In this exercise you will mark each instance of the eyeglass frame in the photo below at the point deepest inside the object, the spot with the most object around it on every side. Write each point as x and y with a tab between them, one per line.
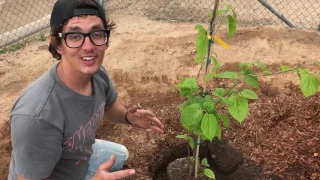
64	36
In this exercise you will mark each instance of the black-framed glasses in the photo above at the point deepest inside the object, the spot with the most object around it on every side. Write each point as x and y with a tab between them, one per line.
76	39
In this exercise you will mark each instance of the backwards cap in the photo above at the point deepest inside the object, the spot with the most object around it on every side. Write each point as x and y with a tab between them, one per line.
64	10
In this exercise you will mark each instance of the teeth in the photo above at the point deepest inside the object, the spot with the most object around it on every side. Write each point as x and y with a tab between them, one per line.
87	58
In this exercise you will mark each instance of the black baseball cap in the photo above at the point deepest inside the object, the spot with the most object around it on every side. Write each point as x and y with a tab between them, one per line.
64	10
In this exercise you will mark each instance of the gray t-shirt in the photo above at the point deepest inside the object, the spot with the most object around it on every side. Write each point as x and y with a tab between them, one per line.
53	127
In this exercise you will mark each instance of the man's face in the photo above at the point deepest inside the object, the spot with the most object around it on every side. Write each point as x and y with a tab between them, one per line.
86	59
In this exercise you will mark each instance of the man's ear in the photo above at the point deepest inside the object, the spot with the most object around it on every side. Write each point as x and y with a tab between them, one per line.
59	49
53	40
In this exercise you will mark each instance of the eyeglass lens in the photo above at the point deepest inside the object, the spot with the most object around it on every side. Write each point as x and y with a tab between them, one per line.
77	39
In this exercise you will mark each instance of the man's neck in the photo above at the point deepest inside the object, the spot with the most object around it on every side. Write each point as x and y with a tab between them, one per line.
73	79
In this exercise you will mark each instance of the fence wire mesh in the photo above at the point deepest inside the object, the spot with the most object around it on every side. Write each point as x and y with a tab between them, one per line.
22	18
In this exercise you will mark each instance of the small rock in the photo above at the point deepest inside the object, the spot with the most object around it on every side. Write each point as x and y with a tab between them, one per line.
129	128
153	141
172	52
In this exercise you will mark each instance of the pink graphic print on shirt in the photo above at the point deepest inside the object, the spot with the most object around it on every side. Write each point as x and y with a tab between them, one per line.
84	133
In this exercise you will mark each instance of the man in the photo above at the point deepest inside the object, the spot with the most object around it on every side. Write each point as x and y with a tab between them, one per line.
54	121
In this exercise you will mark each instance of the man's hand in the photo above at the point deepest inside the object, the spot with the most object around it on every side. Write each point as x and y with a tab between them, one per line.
104	174
144	119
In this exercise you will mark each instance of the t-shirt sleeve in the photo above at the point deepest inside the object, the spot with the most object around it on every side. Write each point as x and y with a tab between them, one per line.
110	92
36	146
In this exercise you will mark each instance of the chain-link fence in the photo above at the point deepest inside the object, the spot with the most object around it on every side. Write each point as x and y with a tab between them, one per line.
305	14
21	18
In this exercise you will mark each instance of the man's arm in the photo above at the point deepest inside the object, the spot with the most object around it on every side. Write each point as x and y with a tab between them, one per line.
34	140
145	119
116	113
21	178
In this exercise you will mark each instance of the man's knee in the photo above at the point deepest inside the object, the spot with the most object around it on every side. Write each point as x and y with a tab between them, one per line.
125	152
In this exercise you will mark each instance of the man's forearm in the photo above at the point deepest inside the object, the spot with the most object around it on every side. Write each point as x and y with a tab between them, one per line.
116	113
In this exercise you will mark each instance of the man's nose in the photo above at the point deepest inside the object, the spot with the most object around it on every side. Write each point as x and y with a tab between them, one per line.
87	44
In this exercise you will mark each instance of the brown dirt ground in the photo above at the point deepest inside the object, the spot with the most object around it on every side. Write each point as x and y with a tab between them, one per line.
146	58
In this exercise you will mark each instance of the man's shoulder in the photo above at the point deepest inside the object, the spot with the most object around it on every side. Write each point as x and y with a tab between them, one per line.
102	75
34	96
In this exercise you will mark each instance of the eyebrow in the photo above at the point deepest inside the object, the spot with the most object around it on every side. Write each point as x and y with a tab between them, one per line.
77	28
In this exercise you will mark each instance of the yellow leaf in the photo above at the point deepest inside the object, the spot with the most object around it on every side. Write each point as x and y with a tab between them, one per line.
221	42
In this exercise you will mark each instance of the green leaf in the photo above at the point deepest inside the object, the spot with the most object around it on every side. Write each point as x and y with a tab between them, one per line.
250	78
184	136
191	116
249	94
232	25
245	65
231	75
191	143
208	98
252	81
209	173
208	126
218	132
226	120
185	92
196	100
224	100
197	131
216	67
188	138
198	59
267	72
219	92
238	107
210	76
220	11
234	14
184	105
262	66
309	84
213	71
204	162
189	83
209	107
285	68
201	41
214	60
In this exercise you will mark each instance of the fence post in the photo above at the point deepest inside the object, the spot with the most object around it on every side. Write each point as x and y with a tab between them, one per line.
279	15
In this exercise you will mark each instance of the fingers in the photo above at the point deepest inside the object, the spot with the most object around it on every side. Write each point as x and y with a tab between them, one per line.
156	129
122	174
147	113
104	168
107	165
133	109
156	122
